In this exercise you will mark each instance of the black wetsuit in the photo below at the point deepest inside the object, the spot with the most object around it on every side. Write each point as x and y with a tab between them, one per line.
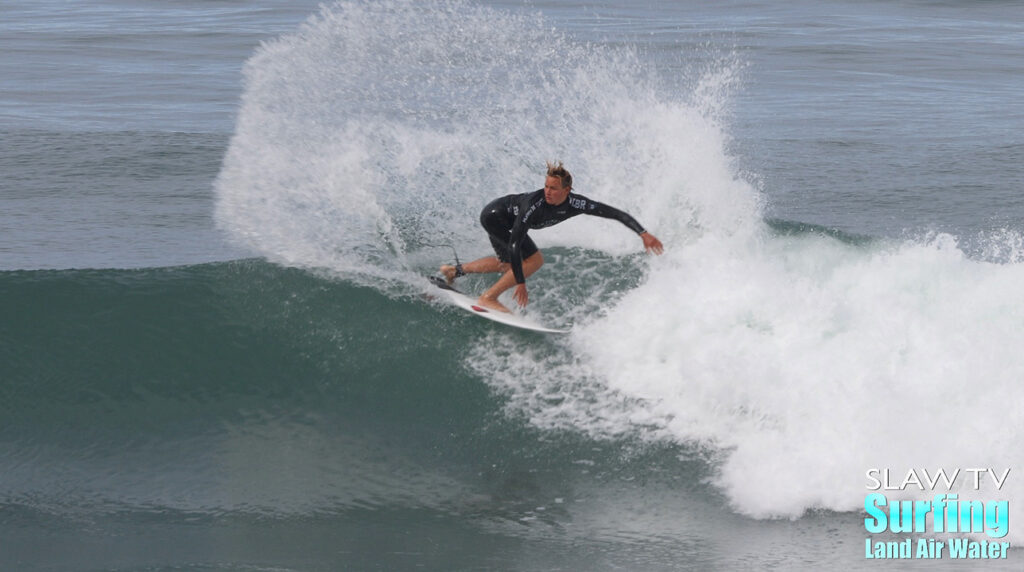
507	219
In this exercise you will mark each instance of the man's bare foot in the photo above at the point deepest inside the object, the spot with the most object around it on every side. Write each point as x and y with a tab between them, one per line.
449	273
492	304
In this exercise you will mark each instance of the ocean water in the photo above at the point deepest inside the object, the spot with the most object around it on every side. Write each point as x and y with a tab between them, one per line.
217	351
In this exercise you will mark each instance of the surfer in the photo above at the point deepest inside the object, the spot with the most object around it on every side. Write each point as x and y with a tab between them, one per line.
507	220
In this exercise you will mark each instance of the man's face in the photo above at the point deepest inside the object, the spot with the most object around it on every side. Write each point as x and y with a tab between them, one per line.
554	192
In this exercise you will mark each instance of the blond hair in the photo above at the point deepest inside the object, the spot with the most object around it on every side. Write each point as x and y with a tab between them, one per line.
558	171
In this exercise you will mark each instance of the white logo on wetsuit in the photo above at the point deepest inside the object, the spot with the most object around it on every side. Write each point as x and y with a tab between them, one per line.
577	203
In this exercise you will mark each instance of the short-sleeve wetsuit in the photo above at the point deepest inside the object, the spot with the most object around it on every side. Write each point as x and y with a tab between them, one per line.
508	218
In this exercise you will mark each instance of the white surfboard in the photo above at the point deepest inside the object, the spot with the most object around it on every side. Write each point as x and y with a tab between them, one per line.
469	304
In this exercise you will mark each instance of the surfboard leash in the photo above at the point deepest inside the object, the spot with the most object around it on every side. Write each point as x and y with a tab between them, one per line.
459	272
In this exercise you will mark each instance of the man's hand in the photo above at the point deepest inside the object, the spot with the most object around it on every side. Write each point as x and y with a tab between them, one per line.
651	243
520	295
